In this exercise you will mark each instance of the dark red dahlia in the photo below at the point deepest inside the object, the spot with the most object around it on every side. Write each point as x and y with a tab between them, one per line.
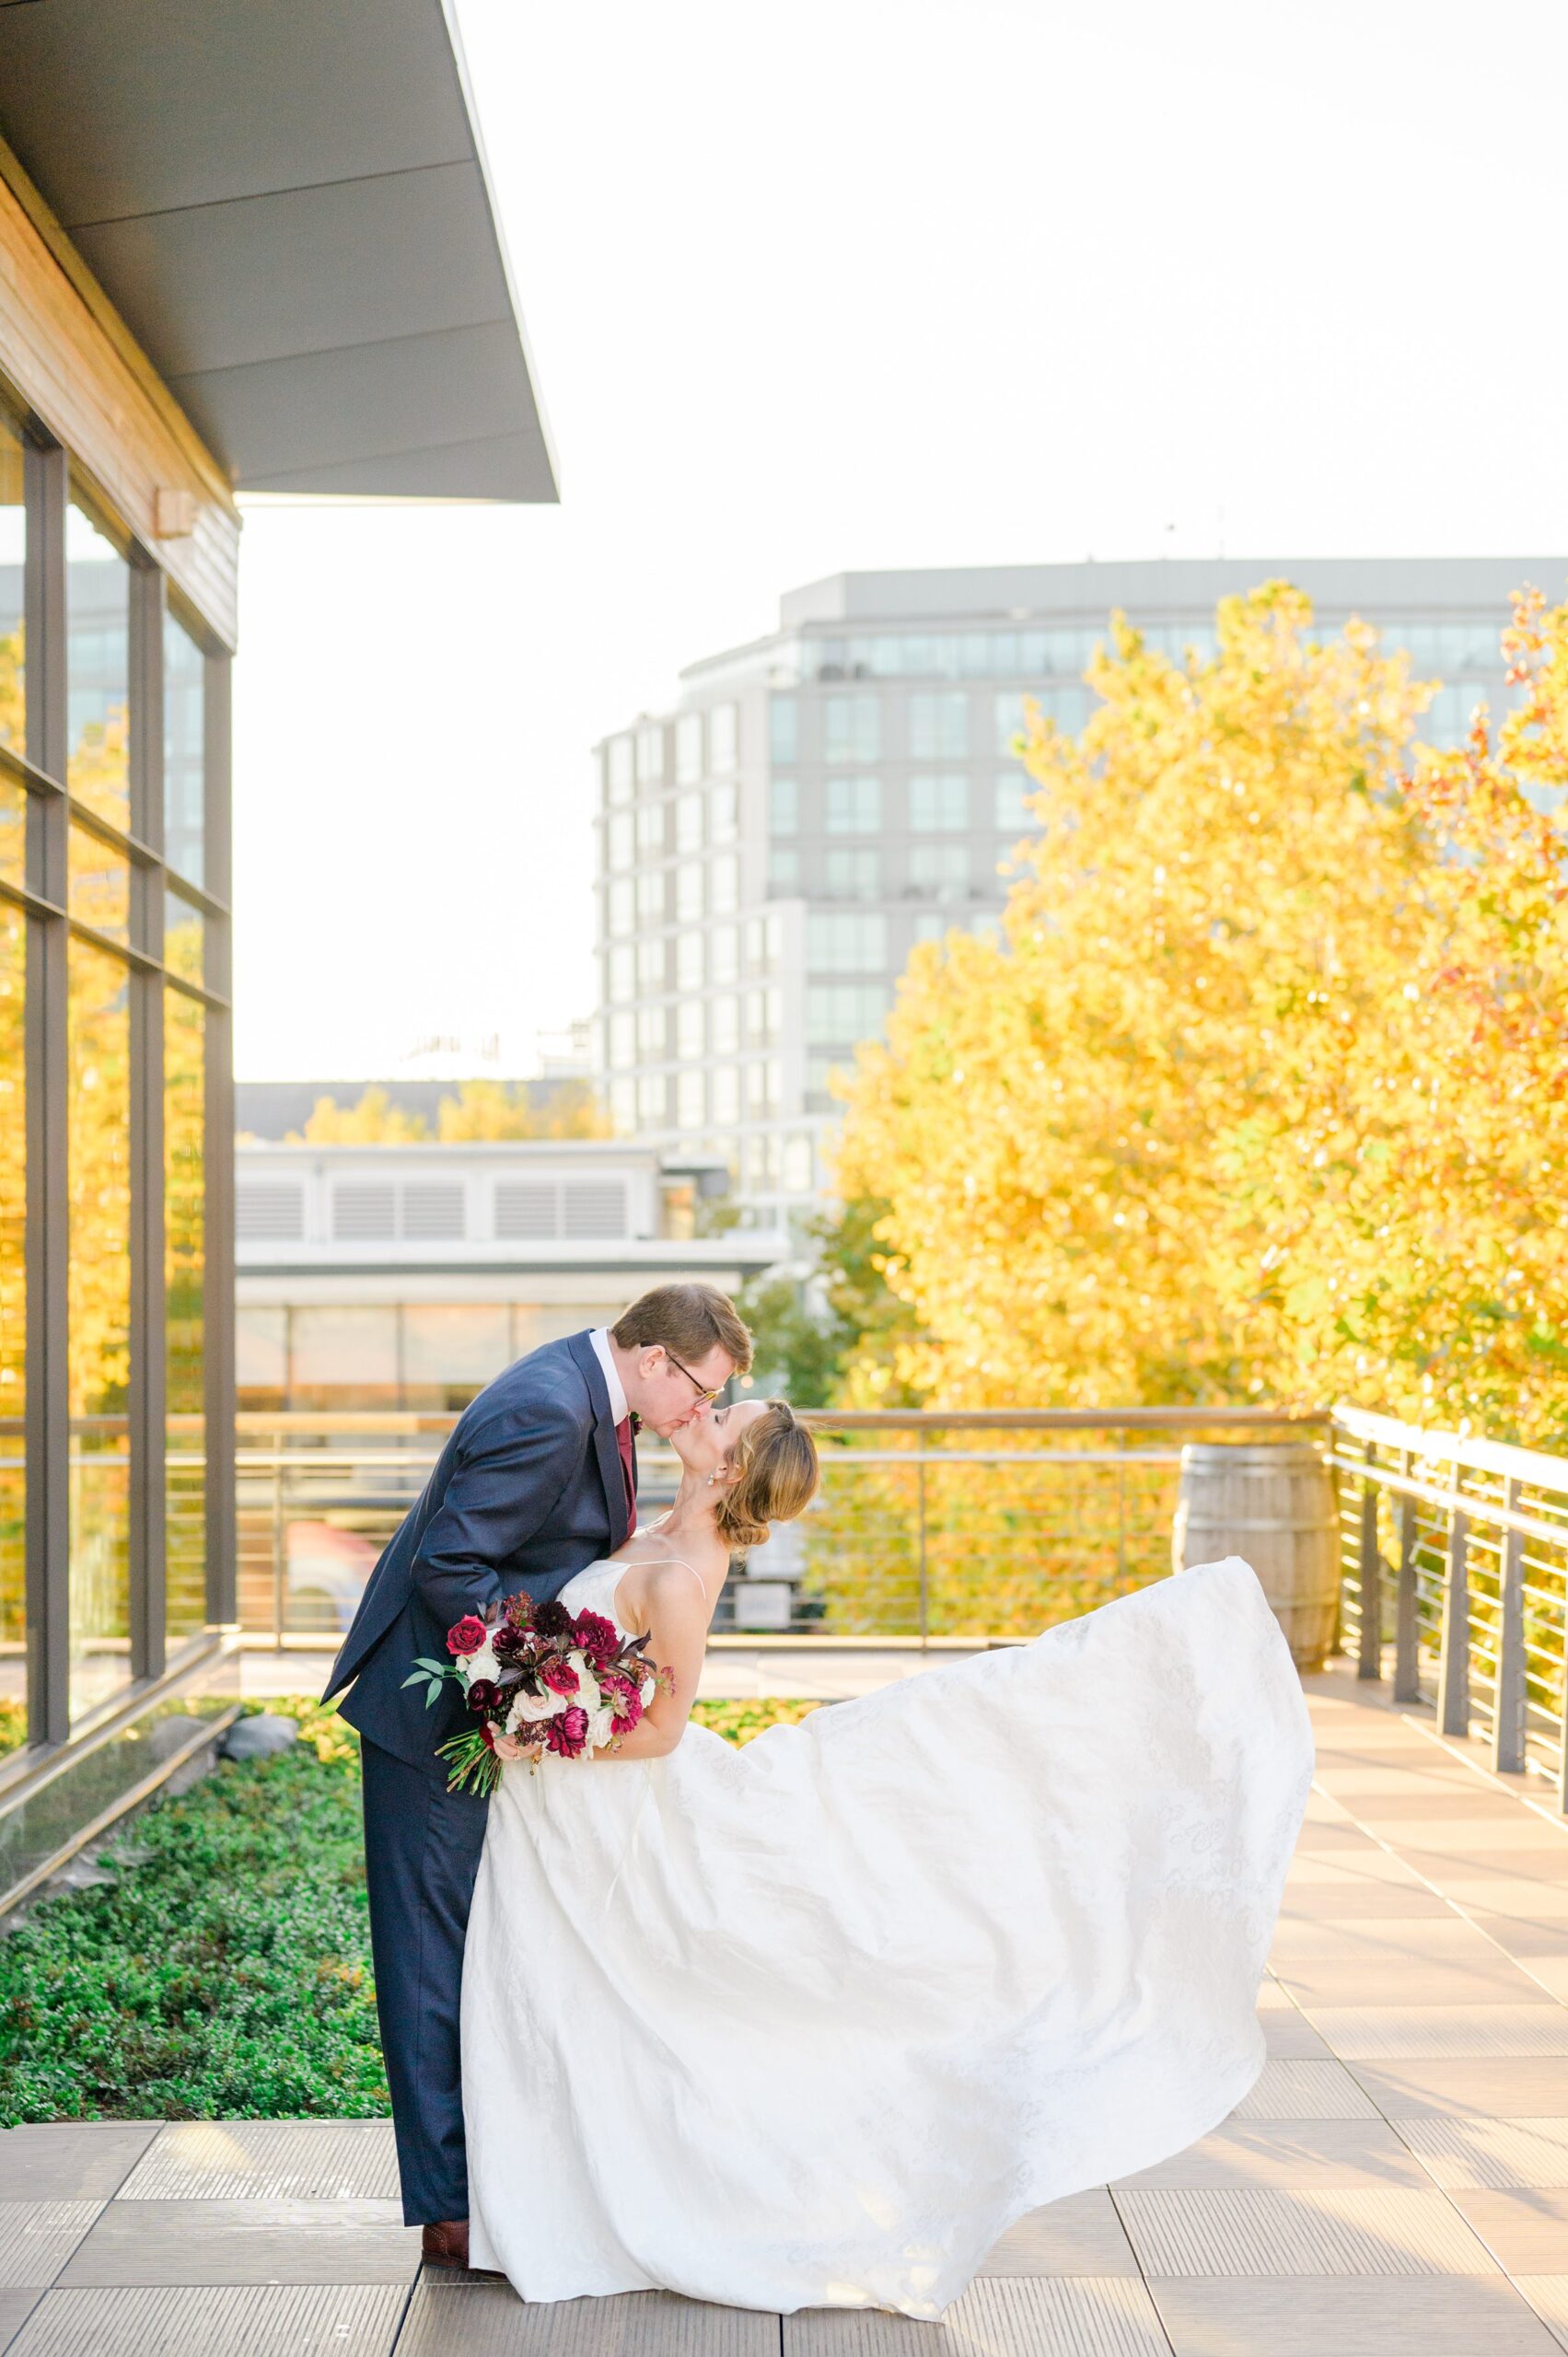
559	1676
553	1620
507	1638
483	1694
566	1733
596	1636
467	1635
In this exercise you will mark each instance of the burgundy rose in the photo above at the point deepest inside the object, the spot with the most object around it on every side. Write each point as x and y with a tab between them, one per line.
566	1733
596	1636
560	1676
553	1620
483	1694
467	1635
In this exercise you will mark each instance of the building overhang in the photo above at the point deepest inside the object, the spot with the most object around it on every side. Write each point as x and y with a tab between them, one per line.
290	208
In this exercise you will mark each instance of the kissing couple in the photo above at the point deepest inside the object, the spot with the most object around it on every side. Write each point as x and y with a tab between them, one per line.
814	2022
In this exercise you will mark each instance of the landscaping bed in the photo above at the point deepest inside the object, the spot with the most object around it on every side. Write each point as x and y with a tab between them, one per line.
223	1969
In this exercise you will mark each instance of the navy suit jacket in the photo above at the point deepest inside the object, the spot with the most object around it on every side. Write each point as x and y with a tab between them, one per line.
527	1491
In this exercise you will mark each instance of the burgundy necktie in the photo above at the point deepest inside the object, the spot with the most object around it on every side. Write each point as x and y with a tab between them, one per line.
623	1442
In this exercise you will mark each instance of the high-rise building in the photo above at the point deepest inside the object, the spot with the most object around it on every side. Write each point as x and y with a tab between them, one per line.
821	800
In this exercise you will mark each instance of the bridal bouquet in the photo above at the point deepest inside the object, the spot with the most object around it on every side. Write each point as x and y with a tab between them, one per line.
538	1678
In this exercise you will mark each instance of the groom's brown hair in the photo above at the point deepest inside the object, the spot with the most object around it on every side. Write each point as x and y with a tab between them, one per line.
689	1321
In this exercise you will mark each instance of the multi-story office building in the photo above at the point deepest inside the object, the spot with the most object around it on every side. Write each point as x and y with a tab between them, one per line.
769	853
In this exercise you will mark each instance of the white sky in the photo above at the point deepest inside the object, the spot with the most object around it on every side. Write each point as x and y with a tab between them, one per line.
865	283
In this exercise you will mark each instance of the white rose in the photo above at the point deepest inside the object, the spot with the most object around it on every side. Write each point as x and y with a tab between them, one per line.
588	1694
482	1664
528	1707
601	1727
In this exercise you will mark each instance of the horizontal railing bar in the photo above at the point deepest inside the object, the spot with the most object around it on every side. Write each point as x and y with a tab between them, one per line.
1526	1465
1498	1517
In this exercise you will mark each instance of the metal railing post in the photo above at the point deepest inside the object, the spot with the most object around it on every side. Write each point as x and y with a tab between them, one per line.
1508	1712
1406	1627
1454	1676
920	1497
277	1549
1369	1661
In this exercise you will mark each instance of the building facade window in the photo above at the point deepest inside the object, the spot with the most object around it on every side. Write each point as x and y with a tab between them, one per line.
784	729
689	883
1012	815
852	873
798	1174
689	822
691	1100
621	905
620	769
783	805
784	868
184	751
653	1098
690	961
619	840
650	754
845	942
842	1014
651	896
650	1032
724	884
724	1094
650	964
723	739
620	973
852	805
688	749
725	1022
942	869
622	1043
690	1027
939	727
939	805
724	813
852	728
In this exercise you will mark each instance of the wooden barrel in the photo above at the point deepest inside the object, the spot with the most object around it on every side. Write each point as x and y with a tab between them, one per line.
1274	1504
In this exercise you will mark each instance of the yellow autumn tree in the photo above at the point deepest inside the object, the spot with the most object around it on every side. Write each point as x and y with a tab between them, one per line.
482	1112
1188	1130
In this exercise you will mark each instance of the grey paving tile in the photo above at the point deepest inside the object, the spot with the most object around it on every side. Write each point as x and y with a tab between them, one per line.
1548	2294
1306	2088
1527	2232
268	2160
230	2320
1291	2037
1081	2235
1507	2087
1358	2315
1297	2155
1013	2317
1341	2231
1346	1900
489	2320
247	2242
16	2306
38	2238
1469	2154
1376	2032
1319	1983
71	2160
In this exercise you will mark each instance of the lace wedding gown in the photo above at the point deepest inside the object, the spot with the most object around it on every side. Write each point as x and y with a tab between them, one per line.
813	2022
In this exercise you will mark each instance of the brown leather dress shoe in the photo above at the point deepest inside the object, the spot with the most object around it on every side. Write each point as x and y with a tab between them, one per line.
446	2245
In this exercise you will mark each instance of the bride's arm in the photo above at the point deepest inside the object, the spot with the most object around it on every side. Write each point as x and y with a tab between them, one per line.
675	1609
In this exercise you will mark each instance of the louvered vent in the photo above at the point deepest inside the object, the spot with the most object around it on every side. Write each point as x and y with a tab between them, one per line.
269	1214
593	1208
527	1211
364	1215
432	1211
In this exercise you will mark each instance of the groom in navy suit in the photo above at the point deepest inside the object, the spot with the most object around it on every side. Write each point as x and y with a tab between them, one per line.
538	1481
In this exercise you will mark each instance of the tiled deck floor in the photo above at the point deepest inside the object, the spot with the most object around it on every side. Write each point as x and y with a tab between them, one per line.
1398	2182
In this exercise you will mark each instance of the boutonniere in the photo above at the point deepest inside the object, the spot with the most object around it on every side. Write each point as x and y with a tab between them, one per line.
635	1422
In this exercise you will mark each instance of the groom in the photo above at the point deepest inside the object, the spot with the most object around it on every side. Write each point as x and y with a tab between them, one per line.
538	1481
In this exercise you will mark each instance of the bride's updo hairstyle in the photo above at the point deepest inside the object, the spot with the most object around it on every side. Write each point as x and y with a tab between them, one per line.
776	1475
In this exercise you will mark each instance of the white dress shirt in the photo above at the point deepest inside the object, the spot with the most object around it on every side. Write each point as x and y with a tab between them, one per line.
600	1336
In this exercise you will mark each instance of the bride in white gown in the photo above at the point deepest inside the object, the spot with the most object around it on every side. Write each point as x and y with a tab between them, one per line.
812	2023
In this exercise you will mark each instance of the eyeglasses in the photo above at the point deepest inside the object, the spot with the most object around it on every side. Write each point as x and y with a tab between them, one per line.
701	1388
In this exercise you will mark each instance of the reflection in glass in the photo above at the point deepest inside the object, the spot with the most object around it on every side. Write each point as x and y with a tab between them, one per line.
98	1340
97	612
99	885
341	1357
185	1523
184	751
13	830
451	1352
13	565
182	938
13	1332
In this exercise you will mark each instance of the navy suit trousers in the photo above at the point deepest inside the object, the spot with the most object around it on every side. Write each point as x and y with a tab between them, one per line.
422	1849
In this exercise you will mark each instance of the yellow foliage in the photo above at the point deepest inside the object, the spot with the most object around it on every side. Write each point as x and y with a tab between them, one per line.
1261	1093
483	1111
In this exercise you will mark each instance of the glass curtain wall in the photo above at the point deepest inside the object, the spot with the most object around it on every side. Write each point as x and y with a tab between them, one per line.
113	1073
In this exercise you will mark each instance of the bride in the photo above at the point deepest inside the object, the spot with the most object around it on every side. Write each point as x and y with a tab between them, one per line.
812	2023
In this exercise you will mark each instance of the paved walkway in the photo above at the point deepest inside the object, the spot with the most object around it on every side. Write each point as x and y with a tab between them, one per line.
1398	2182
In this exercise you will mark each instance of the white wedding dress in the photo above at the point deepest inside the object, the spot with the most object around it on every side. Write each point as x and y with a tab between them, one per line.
813	2022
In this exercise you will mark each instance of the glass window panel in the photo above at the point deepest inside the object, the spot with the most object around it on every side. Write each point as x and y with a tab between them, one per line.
452	1349
623	1106
343	1358
690	961
97	613
13	576
650	827
98	1332
726	1021
651	896
688	882
723	813
1010	720
783	733
783	805
691	1100
845	942
784	868
689	822
842	1014
650	754
726	1095
939	726
185	1259
797	1177
852	805
722	738
619	840
620	904
184	751
725	883
725	953
1012	814
620	769
689	1027
184	937
688	747
100	884
650	1030
651	1098
939	805
940	868
852	728
622	1034
622	973
13	1330
650	964
855	874
13	830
